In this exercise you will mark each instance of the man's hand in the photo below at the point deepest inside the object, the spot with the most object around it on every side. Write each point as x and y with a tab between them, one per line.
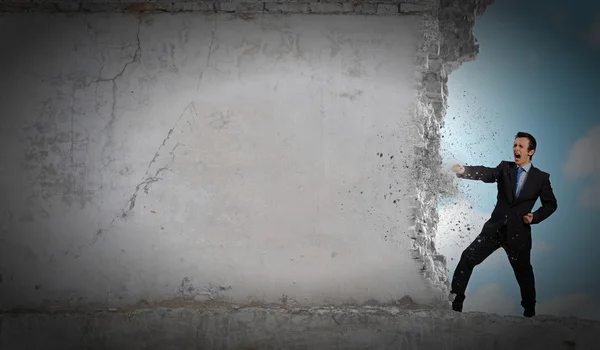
457	168
528	218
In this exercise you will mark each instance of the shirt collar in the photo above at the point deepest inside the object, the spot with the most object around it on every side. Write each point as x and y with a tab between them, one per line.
526	167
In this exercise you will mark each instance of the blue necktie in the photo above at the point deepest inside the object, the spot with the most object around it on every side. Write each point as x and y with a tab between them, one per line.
519	171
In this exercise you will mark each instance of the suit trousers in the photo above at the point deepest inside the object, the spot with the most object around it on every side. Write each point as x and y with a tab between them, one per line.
480	249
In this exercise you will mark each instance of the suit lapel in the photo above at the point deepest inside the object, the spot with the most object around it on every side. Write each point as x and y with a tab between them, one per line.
512	172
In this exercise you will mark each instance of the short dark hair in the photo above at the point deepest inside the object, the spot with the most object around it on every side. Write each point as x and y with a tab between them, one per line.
532	142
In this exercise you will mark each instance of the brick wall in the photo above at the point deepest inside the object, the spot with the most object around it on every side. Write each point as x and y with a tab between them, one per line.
448	41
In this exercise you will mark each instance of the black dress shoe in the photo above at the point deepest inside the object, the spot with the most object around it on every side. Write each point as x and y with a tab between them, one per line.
529	312
457	304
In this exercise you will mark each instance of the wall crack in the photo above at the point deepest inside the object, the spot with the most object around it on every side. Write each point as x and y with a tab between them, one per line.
148	180
210	50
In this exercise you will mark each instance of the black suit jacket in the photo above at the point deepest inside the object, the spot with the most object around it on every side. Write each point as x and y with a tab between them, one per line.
508	207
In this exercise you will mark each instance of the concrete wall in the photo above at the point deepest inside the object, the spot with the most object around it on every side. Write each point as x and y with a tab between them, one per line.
285	158
365	7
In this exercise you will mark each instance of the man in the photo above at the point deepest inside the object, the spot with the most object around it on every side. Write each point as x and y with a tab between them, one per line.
520	184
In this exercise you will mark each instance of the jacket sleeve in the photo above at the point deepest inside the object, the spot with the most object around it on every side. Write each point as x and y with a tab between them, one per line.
482	173
549	203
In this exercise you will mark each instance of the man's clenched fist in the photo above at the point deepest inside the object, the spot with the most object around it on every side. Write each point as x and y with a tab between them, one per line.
457	168
528	218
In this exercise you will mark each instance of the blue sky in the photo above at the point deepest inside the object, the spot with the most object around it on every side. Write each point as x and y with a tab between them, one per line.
538	71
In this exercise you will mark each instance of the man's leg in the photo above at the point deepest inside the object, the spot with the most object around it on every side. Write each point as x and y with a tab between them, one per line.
520	260
473	255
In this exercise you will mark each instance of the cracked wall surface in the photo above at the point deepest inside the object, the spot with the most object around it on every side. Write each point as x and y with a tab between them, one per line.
263	154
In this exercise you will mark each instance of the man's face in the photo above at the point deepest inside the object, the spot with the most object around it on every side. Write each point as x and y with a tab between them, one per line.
520	151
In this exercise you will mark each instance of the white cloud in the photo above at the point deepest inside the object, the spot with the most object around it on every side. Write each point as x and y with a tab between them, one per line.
590	195
490	299
580	305
584	162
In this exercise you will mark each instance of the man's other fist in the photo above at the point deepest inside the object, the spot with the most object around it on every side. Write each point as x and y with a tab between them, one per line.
457	168
528	218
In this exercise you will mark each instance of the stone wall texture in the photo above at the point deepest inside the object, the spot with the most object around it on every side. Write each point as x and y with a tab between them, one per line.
447	42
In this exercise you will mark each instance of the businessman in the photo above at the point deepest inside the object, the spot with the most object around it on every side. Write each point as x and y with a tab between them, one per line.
519	184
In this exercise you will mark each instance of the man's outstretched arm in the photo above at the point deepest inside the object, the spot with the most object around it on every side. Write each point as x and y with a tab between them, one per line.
549	203
481	173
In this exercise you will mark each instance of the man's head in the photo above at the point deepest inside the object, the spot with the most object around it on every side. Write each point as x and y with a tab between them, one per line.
524	148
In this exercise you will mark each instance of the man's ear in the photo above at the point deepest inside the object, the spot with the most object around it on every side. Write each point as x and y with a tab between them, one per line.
531	153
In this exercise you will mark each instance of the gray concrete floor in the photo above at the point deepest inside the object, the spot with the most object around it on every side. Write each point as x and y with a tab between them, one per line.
228	326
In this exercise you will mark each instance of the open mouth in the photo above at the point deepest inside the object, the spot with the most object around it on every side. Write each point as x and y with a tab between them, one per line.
517	156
